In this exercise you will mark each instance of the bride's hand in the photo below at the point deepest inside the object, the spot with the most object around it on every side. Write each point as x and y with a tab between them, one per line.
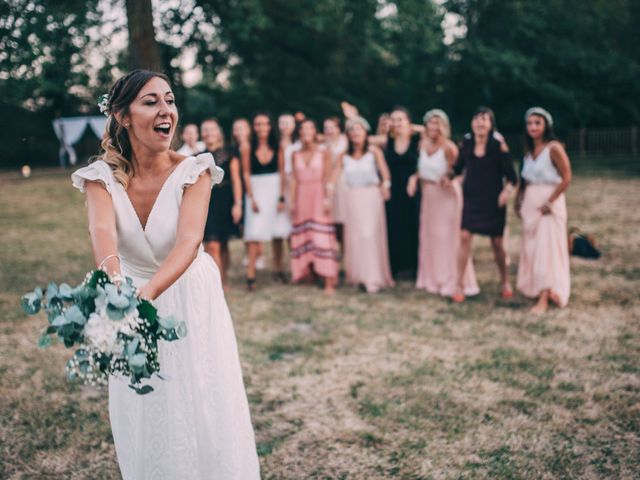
146	293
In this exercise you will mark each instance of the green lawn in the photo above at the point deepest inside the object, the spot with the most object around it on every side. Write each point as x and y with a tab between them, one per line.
396	385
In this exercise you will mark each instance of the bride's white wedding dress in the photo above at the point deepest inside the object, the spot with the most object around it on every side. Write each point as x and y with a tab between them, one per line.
196	423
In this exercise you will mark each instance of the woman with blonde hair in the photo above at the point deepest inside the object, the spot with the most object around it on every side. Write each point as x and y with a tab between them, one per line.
543	272
440	211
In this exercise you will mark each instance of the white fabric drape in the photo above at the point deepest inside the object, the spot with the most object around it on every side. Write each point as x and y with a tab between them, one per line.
69	131
98	125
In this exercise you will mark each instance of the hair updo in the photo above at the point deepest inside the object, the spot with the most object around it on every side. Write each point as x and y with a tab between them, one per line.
115	143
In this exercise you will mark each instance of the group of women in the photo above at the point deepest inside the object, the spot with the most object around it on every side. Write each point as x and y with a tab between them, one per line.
402	202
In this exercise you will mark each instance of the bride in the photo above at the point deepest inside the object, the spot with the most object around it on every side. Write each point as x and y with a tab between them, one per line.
147	209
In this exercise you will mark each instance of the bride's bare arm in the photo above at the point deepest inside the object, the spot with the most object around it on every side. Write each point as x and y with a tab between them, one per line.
191	221
102	227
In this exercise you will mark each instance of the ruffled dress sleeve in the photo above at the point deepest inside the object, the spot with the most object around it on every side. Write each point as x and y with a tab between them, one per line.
197	166
96	171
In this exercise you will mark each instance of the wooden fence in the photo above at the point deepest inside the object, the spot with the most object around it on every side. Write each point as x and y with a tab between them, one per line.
588	142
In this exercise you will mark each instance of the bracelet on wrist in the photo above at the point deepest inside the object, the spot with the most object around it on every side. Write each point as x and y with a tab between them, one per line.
104	260
386	184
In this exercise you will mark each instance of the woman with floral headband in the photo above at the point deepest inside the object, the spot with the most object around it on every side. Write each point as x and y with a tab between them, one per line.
543	271
147	209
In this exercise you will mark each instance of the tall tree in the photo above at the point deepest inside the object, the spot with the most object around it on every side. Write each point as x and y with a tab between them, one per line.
569	55
143	48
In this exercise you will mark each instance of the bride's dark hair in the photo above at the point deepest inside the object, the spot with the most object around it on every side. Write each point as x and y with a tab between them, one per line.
115	144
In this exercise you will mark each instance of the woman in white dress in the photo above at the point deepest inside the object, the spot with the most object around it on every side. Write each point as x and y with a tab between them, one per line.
147	208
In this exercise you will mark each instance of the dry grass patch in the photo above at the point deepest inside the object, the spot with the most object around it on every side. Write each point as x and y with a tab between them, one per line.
395	385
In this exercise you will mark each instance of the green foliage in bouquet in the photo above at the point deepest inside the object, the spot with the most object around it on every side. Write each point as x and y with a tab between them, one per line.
113	329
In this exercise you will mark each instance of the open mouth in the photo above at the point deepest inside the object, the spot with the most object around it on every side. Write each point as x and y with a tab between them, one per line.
163	128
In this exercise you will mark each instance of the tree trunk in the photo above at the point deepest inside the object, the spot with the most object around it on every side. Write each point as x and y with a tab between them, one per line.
143	49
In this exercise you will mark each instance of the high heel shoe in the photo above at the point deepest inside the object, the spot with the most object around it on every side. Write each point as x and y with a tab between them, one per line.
251	284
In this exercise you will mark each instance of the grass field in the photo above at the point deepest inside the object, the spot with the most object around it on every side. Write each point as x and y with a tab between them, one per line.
396	385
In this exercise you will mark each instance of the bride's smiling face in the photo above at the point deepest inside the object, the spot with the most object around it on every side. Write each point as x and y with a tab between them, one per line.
152	117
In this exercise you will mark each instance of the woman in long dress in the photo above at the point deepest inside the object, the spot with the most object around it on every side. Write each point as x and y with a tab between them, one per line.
313	238
225	205
361	168
147	209
489	181
543	271
336	144
400	147
440	211
264	182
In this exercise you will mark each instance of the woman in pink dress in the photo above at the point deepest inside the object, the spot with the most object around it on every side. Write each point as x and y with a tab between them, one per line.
543	272
361	168
440	211
313	237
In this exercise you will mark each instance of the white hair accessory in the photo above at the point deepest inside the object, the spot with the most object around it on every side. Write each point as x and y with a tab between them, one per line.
435	112
358	121
539	111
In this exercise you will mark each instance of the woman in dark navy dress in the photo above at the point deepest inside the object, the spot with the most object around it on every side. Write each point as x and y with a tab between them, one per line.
489	181
225	205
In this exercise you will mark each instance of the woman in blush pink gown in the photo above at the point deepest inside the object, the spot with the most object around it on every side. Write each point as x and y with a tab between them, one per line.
313	237
361	168
440	211
543	272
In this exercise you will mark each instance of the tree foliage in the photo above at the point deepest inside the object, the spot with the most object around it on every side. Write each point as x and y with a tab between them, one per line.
578	58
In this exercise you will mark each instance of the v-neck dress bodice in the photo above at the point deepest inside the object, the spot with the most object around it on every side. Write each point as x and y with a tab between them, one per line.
196	423
142	250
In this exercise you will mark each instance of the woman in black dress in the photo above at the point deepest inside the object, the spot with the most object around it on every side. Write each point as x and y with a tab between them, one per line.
225	206
486	164
401	153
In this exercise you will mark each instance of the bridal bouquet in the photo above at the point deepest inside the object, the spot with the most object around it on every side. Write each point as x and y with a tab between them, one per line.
113	330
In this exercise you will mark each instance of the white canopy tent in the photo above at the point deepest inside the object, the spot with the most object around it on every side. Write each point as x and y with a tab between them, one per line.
69	131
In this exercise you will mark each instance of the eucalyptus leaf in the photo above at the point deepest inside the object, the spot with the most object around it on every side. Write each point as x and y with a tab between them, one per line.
60	321
73	314
31	303
114	313
52	291
44	341
137	361
168	322
142	390
132	346
65	291
181	331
